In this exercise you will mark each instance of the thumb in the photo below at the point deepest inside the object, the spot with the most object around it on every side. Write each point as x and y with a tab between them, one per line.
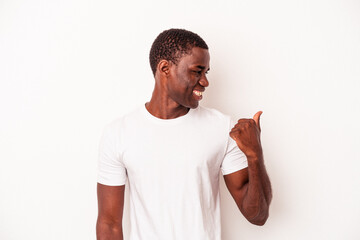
257	118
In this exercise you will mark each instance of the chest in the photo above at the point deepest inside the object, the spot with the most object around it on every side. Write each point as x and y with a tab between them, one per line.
168	151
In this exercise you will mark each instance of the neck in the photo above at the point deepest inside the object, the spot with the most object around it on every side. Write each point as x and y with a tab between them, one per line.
162	107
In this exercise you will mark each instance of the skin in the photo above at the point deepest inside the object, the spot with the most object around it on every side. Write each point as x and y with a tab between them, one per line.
173	97
110	212
174	84
250	187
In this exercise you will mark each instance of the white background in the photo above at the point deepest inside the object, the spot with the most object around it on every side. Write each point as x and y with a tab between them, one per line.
69	67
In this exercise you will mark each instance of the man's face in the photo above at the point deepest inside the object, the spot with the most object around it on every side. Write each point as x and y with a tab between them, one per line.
187	80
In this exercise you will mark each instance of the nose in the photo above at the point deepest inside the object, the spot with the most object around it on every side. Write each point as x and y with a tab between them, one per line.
203	81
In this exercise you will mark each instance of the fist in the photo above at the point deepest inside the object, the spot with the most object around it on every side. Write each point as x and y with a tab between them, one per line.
246	133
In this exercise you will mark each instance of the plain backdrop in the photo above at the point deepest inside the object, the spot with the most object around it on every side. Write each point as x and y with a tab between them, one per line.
69	67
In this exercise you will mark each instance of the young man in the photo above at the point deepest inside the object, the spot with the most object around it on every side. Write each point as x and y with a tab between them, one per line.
172	150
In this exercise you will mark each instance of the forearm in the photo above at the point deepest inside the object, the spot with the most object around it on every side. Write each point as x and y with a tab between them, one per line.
257	171
257	192
108	231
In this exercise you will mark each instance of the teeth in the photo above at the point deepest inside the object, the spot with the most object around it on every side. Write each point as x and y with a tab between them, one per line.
197	93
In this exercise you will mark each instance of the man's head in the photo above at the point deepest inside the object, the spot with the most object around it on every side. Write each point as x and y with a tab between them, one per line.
172	44
180	61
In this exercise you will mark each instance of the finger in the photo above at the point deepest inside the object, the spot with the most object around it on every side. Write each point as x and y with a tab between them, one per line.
257	118
232	135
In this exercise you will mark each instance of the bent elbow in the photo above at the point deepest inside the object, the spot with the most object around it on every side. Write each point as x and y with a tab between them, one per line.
261	219
259	222
255	214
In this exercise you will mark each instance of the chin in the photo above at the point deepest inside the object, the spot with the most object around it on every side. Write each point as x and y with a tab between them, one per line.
189	104
194	105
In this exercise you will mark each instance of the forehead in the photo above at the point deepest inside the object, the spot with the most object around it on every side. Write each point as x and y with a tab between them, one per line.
197	56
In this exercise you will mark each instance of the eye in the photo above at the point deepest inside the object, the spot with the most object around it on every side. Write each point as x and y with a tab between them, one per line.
197	72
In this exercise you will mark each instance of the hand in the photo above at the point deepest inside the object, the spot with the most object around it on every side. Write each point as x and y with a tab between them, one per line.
246	133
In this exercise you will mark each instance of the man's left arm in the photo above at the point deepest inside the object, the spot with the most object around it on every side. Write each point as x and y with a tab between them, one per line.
250	187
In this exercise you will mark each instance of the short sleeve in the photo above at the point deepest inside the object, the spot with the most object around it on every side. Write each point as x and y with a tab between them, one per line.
234	159
111	170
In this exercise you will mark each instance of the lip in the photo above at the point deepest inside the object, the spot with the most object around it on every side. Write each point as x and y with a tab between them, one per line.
199	90
198	98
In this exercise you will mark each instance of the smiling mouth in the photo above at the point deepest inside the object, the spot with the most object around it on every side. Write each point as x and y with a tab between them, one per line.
197	93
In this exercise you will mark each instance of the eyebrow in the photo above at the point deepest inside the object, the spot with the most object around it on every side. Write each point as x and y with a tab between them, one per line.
202	67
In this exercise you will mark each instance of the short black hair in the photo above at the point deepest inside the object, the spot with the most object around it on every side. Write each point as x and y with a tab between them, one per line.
172	44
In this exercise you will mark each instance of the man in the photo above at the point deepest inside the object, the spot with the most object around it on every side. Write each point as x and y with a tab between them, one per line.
171	151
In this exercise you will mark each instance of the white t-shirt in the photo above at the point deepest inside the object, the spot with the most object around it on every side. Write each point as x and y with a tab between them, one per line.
172	166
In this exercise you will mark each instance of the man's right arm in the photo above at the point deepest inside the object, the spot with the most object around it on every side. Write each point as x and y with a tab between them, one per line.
110	212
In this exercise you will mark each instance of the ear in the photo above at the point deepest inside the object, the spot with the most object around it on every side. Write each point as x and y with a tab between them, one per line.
164	67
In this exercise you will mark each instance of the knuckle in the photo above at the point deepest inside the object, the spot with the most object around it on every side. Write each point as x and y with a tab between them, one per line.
236	132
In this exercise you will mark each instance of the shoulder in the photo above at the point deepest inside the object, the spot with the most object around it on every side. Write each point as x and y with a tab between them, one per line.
212	113
213	117
122	121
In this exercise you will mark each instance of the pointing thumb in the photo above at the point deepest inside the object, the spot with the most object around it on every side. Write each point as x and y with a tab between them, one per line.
257	118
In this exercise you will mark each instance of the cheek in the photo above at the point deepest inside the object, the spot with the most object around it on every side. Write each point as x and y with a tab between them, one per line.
185	82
